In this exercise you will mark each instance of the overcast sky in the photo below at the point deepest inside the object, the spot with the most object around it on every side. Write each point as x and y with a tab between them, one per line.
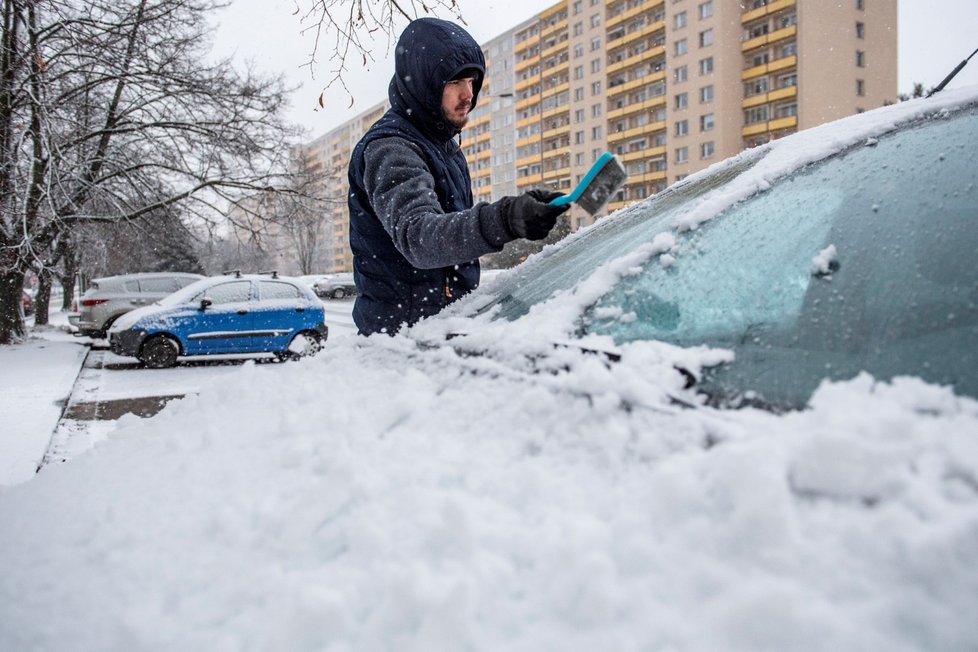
934	36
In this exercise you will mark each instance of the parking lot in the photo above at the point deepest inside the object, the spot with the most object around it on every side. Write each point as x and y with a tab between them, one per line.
110	387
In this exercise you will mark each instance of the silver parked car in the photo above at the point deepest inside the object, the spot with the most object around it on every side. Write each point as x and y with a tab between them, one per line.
109	297
335	286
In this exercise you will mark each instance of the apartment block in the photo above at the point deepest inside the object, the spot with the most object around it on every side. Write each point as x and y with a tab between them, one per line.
670	86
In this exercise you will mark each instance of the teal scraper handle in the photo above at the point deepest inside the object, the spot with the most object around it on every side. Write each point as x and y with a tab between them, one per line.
582	186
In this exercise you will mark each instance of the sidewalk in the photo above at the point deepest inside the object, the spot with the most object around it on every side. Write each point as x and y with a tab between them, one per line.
36	378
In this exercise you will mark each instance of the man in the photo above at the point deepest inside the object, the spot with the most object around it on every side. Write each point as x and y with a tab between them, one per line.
415	235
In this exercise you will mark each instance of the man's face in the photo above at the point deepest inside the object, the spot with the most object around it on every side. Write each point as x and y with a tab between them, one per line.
456	101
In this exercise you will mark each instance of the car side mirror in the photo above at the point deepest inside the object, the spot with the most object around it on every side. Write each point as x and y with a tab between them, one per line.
204	303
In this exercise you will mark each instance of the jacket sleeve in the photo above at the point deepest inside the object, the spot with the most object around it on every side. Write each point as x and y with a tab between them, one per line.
401	191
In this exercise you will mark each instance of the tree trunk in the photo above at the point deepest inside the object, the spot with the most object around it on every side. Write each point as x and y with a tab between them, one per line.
42	299
12	327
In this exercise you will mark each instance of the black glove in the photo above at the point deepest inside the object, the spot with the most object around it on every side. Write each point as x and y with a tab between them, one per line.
530	215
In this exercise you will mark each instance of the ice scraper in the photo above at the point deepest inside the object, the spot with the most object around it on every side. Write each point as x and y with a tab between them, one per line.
603	180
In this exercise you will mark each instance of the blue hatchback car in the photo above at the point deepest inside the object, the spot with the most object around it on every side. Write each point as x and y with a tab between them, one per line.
223	315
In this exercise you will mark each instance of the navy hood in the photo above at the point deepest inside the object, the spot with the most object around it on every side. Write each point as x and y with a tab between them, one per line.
430	52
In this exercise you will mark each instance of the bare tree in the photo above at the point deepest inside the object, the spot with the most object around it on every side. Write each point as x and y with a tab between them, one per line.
348	29
111	111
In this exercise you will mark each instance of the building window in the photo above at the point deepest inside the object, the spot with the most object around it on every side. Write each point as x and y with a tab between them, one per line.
596	65
595	20
706	9
706	66
578	94
788	80
579	115
578	72
578	29
789	50
679	20
596	43
860	87
860	5
706	94
578	7
578	51
682	100
706	38
680	74
682	154
706	122
596	133
682	127
596	111
707	150
860	58
680	47
755	115
756	87
860	30
596	88
787	110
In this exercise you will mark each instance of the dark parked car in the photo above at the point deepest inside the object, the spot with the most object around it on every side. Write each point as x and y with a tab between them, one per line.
335	286
224	315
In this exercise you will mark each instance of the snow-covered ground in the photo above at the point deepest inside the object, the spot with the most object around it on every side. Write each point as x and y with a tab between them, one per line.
390	494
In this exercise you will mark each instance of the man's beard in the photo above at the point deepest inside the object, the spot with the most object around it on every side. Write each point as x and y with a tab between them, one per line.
458	123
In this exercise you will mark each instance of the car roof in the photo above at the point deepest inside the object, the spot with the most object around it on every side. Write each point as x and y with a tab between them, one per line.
139	275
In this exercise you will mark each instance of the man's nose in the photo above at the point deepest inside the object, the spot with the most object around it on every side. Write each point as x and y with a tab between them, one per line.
467	90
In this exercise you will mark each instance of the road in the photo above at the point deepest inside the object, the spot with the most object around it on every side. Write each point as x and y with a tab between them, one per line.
110	387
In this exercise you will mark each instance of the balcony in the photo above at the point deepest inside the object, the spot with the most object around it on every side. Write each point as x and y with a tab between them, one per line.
648	30
770	96
760	12
771	125
635	132
768	39
631	13
638	155
772	66
641	57
559	88
637	107
615	91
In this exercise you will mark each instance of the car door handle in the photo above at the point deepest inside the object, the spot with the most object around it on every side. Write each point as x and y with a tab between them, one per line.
242	312
300	309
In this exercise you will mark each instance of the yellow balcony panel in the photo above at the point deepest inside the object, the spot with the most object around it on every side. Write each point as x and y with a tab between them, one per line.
782	63
529	180
556	133
635	83
559	151
635	59
526	63
529	140
648	152
532	159
553	29
527	101
631	13
523	84
564	108
752	43
637	107
755	71
770	8
648	30
556	174
783	93
783	123
754	100
483	137
781	34
753	130
527	121
634	132
555	70
555	49
550	11
560	88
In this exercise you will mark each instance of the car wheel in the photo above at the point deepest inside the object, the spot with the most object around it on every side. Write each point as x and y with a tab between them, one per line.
159	352
104	333
304	344
339	293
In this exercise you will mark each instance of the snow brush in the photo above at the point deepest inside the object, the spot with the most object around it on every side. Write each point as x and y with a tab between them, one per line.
603	180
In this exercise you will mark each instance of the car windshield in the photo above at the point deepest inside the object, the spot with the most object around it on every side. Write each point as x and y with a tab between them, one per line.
862	262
